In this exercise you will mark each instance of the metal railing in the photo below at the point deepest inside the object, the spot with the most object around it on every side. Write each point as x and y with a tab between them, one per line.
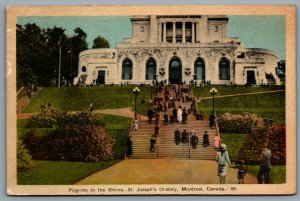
217	126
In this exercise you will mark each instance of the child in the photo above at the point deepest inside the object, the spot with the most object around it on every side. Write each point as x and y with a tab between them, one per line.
241	172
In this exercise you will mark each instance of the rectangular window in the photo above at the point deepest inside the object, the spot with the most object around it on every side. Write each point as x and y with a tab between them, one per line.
142	28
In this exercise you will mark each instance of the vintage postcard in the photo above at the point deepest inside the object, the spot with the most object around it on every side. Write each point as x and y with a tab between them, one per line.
151	100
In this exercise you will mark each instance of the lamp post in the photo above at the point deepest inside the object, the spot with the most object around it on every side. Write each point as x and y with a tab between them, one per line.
71	69
151	86
156	79
136	91
213	92
59	61
71	56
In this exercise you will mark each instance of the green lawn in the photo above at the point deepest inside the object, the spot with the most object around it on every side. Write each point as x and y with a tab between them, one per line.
79	98
234	142
227	89
271	105
278	173
60	172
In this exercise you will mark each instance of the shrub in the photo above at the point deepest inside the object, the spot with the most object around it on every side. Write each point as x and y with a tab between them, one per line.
47	118
239	123
24	160
33	142
77	137
277	144
50	117
273	137
73	143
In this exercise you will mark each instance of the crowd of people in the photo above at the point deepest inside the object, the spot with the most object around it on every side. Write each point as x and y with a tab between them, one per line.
167	104
183	137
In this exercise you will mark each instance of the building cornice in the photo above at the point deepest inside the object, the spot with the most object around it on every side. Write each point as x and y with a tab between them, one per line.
218	19
136	19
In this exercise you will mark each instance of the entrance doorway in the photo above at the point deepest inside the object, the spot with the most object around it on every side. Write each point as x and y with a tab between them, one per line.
251	77
175	71
101	77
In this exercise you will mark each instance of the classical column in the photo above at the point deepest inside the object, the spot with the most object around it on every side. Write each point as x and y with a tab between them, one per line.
193	32
183	32
165	32
159	32
174	33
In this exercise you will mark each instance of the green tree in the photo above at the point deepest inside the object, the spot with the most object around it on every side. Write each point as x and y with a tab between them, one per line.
78	44
55	39
30	54
24	160
38	53
100	42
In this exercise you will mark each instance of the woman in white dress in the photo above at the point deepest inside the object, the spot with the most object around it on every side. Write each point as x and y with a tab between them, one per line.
222	160
179	114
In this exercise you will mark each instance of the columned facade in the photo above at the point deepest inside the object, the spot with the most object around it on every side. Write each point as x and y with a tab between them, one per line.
179	31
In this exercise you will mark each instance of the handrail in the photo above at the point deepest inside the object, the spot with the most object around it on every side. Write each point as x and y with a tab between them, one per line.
157	137
188	126
158	134
217	126
130	130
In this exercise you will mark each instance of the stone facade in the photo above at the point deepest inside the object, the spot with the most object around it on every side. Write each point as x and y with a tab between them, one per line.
178	49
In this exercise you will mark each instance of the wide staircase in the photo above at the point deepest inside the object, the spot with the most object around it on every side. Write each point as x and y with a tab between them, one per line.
165	141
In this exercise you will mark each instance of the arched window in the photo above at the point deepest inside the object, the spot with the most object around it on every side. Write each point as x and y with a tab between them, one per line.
150	69
175	71
127	69
224	69
199	69
83	69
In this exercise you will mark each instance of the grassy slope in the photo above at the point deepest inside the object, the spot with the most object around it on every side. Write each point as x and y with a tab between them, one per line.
79	98
226	90
270	105
234	142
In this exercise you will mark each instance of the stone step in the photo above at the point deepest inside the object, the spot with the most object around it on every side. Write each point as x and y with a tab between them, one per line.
165	144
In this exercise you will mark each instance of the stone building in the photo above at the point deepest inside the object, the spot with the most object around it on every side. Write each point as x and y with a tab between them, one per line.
178	49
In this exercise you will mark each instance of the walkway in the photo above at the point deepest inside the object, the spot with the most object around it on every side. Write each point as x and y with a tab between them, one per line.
25	100
124	112
163	171
243	94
